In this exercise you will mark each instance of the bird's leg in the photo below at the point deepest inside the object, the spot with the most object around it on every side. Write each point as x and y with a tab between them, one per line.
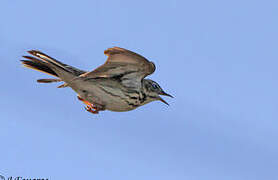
84	101
89	107
92	109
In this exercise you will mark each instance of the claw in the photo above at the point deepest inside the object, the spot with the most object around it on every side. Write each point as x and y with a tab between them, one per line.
89	107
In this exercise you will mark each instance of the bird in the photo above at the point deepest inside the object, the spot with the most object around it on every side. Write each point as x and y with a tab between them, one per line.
118	85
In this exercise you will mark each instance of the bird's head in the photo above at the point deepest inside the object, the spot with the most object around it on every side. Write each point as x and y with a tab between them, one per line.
153	90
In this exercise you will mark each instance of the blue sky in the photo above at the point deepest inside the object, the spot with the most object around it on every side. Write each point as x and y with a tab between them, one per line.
218	58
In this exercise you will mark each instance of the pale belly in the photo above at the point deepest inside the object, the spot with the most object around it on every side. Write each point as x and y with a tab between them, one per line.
112	103
108	95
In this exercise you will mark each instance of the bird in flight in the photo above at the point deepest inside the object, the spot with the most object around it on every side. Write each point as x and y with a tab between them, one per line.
117	85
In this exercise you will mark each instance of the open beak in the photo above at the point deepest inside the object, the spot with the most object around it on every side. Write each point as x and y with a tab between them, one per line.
164	94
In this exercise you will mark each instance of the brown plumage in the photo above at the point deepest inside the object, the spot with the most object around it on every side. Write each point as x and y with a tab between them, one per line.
117	85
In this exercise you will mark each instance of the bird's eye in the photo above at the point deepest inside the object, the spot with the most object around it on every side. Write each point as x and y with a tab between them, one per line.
155	86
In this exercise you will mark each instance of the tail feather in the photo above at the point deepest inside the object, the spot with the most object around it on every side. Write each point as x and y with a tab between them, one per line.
38	65
63	85
48	59
46	64
48	80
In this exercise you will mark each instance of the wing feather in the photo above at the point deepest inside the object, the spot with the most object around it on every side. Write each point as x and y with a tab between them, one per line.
130	66
122	61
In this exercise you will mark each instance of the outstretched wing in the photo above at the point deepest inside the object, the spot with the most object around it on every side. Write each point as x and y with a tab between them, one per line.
126	65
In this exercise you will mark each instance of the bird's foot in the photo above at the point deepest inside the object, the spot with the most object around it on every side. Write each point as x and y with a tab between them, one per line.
89	107
92	109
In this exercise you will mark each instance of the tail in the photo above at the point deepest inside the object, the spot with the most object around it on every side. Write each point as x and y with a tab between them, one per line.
51	66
